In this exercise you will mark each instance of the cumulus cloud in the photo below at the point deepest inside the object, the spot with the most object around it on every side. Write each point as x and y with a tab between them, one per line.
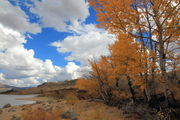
88	42
59	14
19	67
13	17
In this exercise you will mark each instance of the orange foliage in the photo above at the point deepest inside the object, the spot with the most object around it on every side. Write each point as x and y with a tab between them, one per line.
110	74
129	59
71	98
133	57
127	15
159	18
90	85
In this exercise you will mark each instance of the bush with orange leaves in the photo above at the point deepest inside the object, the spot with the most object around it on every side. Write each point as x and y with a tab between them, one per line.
120	75
90	85
40	114
71	98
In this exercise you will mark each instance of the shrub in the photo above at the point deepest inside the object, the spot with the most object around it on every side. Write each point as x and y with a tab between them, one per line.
40	114
71	98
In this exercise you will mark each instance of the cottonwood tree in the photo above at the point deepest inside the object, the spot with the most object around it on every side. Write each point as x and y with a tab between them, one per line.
153	22
125	59
123	68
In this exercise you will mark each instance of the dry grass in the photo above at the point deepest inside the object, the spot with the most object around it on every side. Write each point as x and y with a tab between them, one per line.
86	110
95	114
71	99
97	111
40	114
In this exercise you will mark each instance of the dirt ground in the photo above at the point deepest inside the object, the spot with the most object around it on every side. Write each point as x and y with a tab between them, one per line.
84	109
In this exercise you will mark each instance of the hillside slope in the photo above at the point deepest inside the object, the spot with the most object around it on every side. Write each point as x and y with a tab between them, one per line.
46	87
4	87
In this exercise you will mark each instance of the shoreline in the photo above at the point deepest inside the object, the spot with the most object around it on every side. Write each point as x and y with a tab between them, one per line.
36	98
82	108
9	112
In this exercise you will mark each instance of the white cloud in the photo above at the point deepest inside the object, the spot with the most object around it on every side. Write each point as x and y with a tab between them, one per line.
59	14
88	42
13	17
19	67
73	68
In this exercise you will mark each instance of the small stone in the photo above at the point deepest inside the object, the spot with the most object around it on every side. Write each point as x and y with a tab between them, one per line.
38	102
69	115
12	110
50	102
49	109
7	105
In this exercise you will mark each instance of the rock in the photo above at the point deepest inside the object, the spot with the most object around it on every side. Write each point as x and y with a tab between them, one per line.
49	109
69	115
43	104
50	102
12	110
24	108
38	102
1	111
7	105
15	118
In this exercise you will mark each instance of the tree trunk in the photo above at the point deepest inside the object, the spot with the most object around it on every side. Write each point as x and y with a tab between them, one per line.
163	69
131	89
152	81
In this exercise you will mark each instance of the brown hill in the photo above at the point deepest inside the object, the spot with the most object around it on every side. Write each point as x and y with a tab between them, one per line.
46	87
4	87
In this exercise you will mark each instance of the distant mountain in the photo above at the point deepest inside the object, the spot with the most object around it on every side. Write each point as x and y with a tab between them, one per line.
5	88
45	87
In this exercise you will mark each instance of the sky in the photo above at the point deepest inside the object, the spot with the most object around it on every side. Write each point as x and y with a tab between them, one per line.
48	41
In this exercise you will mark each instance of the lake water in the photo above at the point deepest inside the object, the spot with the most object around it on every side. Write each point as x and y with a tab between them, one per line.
11	99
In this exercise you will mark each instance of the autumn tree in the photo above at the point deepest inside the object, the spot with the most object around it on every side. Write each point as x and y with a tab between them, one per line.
124	54
90	84
174	65
123	68
130	60
153	22
100	72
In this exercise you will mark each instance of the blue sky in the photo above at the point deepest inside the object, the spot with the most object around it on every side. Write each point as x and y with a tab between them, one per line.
48	40
47	36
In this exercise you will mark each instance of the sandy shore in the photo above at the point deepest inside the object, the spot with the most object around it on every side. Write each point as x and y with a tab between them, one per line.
37	99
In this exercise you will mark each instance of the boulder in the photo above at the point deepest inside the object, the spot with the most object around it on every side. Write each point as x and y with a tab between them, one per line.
7	106
39	102
69	115
12	110
49	109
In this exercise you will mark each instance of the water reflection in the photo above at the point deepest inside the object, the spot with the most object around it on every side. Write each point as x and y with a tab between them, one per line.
12	99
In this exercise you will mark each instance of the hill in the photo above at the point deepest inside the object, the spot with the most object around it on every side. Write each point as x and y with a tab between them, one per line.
7	88
4	88
45	88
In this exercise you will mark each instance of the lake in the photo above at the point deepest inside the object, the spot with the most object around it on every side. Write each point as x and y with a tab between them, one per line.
11	99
